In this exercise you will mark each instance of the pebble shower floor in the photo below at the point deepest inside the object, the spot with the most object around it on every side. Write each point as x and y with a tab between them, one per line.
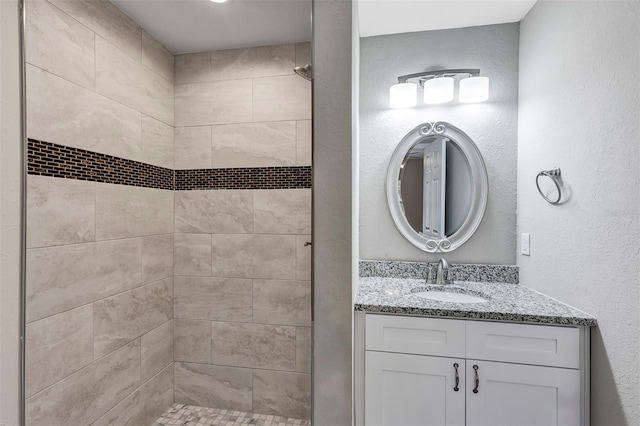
190	415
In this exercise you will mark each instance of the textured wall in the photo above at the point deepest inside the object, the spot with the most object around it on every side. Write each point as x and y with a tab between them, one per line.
579	103
242	286
99	256
492	126
10	213
333	272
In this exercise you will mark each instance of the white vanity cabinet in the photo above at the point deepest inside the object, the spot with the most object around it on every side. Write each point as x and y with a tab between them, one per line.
406	389
431	371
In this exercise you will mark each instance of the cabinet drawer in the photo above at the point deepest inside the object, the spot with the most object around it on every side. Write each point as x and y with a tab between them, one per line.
525	344
411	335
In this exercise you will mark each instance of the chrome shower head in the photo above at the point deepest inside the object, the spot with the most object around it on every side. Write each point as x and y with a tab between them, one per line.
304	72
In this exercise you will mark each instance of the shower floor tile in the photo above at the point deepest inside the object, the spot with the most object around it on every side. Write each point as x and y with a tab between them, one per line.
191	415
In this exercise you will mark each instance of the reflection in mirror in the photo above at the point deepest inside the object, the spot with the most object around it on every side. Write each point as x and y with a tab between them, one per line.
437	187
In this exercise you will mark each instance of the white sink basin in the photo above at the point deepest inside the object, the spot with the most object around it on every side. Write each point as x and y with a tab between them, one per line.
451	295
445	296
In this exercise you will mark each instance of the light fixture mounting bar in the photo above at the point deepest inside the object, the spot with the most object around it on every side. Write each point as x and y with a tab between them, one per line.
437	73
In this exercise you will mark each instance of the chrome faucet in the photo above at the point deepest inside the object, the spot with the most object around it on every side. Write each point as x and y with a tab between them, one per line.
443	275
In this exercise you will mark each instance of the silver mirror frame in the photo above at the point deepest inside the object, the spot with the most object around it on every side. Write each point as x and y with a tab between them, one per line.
479	189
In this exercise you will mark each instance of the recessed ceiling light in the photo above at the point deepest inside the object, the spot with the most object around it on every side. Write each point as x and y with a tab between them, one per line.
220	1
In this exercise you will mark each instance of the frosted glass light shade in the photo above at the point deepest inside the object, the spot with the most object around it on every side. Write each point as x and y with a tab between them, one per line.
438	90
474	89
403	95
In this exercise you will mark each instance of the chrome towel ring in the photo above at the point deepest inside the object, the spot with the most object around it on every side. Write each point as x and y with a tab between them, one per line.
553	174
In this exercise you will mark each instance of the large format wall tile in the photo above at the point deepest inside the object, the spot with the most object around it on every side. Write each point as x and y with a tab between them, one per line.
80	118
231	64
253	62
234	64
87	394
282	302
253	345
193	68
157	142
59	211
272	60
281	98
254	256
213	386
224	299
119	319
65	277
108	21
145	405
282	211
157	57
157	257
138	88
303	349
303	142
59	44
254	145
217	102
130	211
192	341
192	147
156	350
303	257
282	394
220	212
58	346
192	254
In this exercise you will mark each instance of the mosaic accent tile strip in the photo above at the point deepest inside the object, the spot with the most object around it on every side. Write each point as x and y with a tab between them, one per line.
50	159
244	178
191	415
461	272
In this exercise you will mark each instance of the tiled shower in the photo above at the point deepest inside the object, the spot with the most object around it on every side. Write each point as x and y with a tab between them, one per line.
168	223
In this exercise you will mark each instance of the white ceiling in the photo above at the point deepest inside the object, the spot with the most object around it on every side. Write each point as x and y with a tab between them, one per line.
200	25
379	17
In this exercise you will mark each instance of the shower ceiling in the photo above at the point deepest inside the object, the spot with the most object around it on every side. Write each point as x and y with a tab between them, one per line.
185	26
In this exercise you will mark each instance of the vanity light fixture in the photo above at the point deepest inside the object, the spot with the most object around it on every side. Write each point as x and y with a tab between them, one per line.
439	88
474	89
403	95
221	1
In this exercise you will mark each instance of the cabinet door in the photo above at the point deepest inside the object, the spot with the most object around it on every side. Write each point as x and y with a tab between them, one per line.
522	395
413	390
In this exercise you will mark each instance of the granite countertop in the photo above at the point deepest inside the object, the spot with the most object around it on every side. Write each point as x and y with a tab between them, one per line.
505	302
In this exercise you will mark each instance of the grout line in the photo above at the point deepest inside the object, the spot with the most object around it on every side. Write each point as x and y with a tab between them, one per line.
83	368
247	368
101	241
241	322
139	286
253	283
238	123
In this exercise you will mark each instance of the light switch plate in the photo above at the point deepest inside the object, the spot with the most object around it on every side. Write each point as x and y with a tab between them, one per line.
525	244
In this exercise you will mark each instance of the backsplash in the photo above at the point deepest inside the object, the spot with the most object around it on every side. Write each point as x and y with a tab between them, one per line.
461	272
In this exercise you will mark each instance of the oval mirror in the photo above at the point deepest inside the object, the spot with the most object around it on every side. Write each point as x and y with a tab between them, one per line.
437	187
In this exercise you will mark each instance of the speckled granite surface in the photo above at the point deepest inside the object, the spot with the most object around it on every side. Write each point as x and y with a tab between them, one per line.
505	302
461	272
